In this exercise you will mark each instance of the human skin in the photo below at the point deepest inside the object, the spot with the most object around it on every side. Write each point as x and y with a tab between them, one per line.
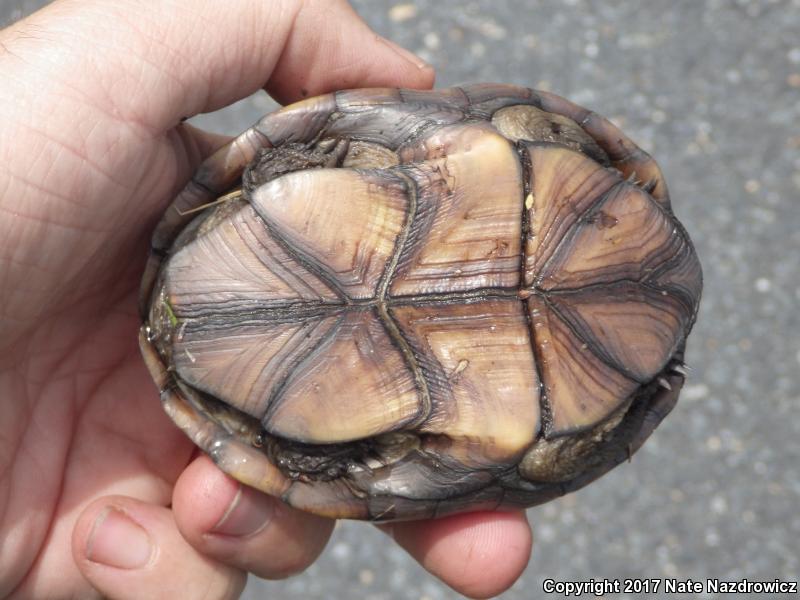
100	495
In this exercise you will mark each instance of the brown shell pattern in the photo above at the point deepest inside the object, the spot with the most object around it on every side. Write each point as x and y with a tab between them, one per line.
403	304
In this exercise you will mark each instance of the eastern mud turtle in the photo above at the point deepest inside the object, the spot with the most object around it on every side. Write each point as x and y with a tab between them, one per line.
400	304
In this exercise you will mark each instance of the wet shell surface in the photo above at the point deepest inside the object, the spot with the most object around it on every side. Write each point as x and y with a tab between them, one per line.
397	304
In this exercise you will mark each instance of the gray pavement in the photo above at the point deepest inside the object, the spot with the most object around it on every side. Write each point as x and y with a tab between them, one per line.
712	89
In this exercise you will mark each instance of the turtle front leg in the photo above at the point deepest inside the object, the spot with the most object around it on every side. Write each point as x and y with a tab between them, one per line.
271	163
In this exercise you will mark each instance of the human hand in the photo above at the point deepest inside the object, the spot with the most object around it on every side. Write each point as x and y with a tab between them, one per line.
98	490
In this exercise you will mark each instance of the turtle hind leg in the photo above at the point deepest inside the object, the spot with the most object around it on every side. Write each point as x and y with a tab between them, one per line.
652	405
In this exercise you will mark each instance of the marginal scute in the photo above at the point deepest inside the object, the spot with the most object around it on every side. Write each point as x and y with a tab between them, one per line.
366	99
477	358
421	478
224	167
329	499
353	385
453	97
179	214
626	156
389	121
556	104
682	278
299	122
466	228
480	93
633	162
344	222
486	98
218	173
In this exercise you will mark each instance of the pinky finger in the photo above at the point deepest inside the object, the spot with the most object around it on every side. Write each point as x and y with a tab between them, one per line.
130	549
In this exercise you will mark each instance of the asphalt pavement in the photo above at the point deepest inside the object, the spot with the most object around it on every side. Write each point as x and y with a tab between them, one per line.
712	90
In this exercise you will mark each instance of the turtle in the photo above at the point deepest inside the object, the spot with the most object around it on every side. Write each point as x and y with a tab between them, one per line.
393	304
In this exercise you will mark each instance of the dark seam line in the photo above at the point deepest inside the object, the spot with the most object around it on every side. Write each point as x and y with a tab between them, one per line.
438	501
466	96
202	186
402	238
277	390
688	249
211	315
274	264
545	408
386	319
536	100
202	324
399	341
609	362
256	131
299	332
569	291
480	294
573	229
306	261
607	285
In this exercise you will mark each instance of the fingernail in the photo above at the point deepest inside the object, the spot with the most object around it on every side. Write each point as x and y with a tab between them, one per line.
249	513
406	55
116	541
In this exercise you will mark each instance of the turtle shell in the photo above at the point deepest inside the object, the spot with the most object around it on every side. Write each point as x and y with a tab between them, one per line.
400	304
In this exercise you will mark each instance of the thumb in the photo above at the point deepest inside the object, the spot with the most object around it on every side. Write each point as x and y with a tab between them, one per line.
130	549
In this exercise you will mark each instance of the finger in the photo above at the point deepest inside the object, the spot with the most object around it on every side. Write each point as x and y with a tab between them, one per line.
159	62
130	549
191	146
245	528
315	60
204	143
478	554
